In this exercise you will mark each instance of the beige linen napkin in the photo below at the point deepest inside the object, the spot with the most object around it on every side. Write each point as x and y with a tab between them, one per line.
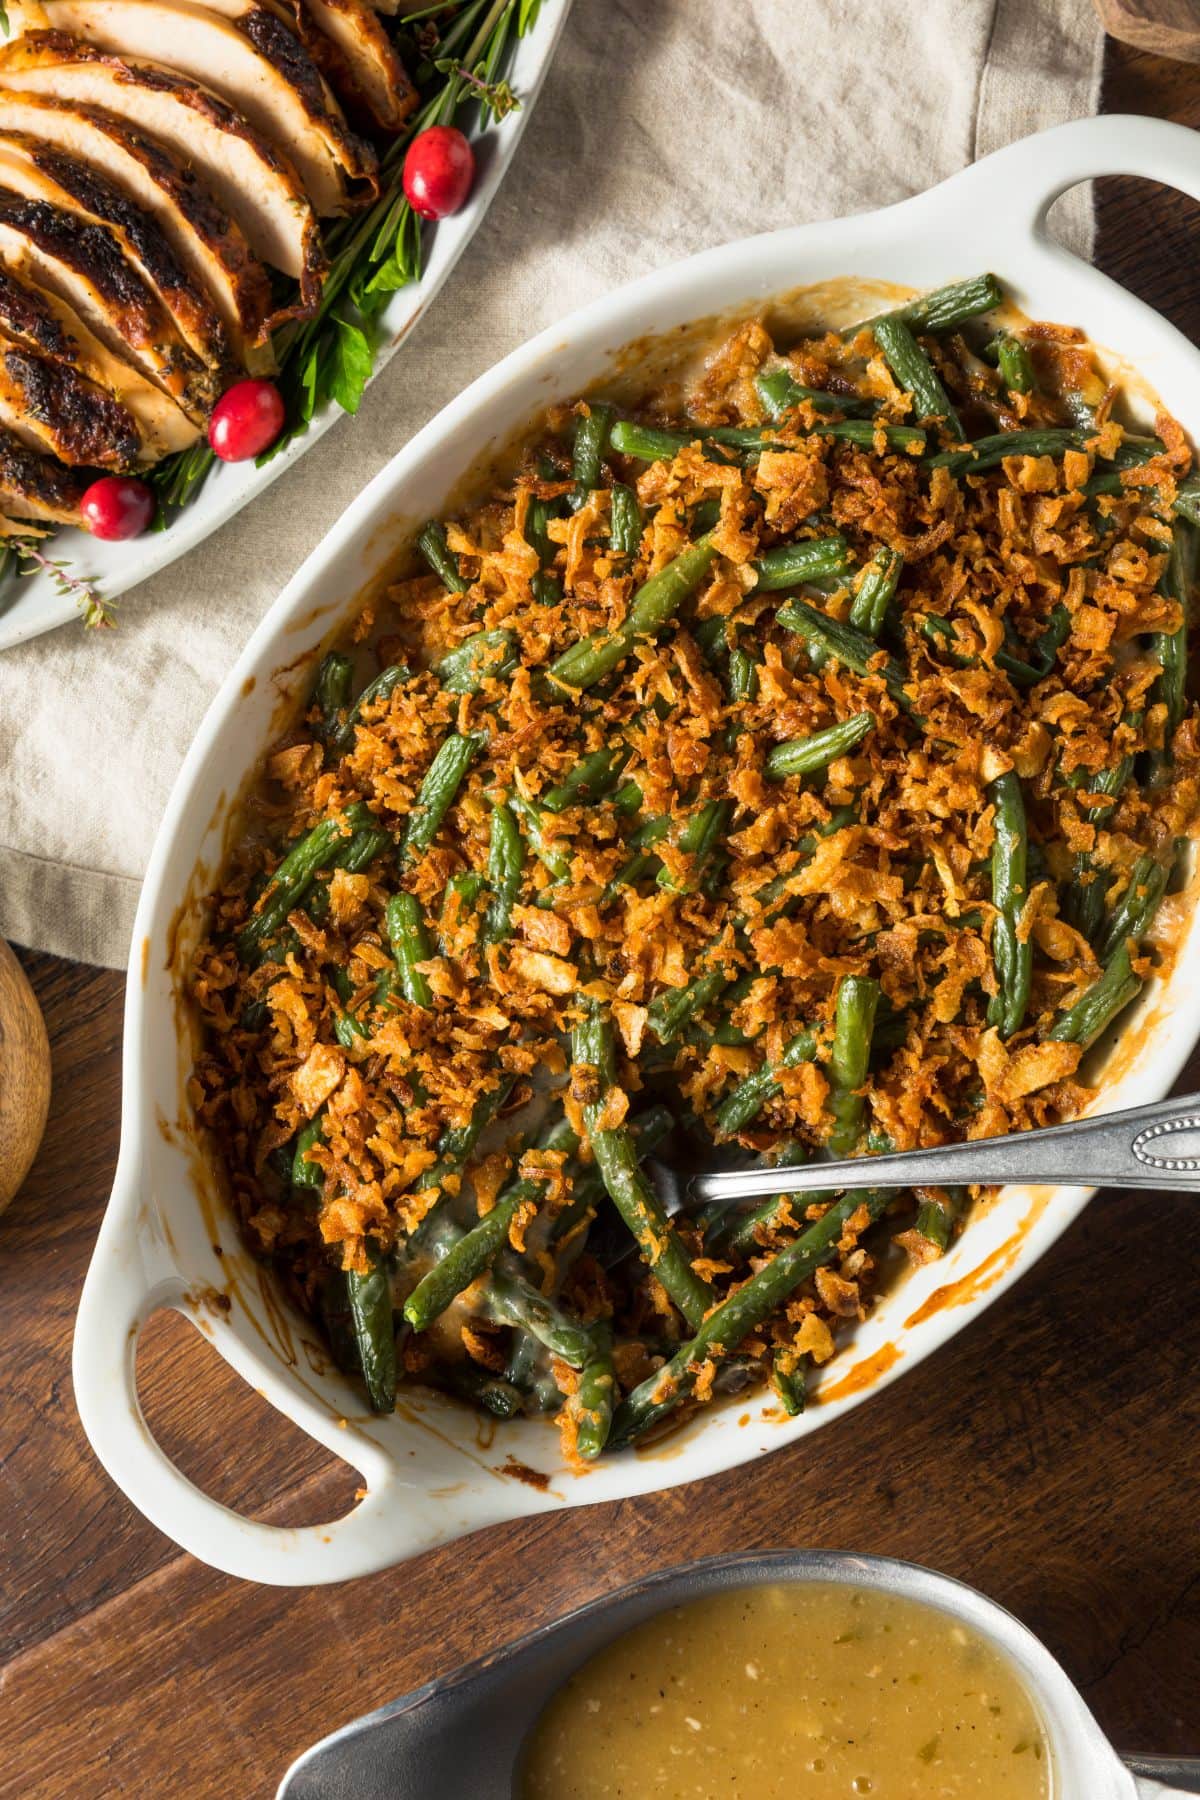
665	126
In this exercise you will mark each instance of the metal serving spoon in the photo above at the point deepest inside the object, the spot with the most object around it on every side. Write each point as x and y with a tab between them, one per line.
1143	1147
462	1735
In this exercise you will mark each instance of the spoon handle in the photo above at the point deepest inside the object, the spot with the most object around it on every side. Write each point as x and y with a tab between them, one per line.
1159	1777
1144	1147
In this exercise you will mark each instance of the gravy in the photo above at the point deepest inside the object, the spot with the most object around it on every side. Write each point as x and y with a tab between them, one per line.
800	1690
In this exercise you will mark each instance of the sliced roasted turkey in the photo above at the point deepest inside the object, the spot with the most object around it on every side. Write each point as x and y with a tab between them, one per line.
37	487
254	61
209	245
51	407
45	324
85	265
39	171
237	165
351	49
358	60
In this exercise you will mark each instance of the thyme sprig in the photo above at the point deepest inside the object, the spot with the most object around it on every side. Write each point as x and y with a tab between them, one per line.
97	613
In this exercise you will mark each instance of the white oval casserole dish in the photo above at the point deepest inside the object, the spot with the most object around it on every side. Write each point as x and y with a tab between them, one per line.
168	1240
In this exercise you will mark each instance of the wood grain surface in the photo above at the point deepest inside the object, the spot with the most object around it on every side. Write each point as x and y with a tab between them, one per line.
1050	1455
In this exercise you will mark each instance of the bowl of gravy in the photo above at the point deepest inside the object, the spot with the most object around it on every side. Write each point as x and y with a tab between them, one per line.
788	1676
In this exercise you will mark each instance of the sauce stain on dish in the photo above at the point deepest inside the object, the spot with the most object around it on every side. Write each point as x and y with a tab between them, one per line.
791	1691
520	1471
989	1271
862	1376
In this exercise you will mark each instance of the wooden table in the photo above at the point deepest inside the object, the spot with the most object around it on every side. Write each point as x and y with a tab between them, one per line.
1050	1455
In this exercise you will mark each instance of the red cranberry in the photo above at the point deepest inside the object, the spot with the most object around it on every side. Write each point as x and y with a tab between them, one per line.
438	171
118	506
246	420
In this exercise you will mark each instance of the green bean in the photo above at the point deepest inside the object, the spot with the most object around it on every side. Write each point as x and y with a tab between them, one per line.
938	1213
474	1252
649	443
589	780
373	1324
1087	890
546	590
698	840
538	515
463	891
491	1392
779	393
523	1358
1042	652
867	432
506	871
443	778
851	647
739	1237
347	1028
989	452
653	606
488	656
357	854
382	687
1170	648
1140	901
1041	655
751	1094
591	437
331	691
915	374
730	1323
673	1010
1099	1005
616	1157
790	564
802	756
553	853
626	521
648	1129
592	1402
1015	363
296	873
1083	904
789	1383
431	542
643	859
943	308
306	1174
1187	499
1012	955
454	1149
849	1058
511	1300
410	947
743	676
875	591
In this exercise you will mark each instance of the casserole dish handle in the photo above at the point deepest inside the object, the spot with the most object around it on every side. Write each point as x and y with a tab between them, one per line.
1020	183
131	1277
